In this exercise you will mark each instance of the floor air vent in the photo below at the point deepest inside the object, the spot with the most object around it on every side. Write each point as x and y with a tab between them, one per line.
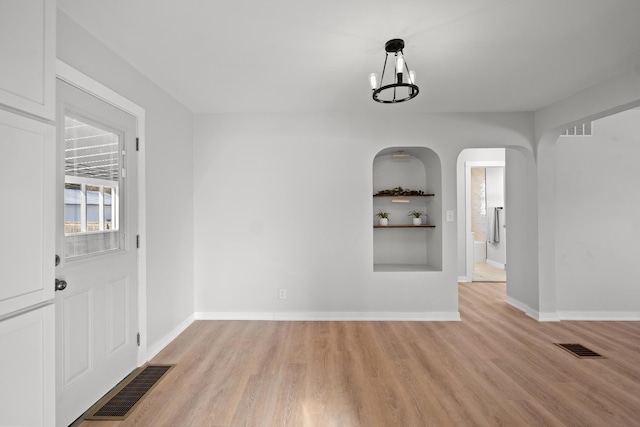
580	351
121	401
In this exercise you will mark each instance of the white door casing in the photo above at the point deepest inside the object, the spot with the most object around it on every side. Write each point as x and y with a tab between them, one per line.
96	315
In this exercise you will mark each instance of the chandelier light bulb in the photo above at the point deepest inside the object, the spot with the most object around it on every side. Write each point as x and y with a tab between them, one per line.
399	64
373	81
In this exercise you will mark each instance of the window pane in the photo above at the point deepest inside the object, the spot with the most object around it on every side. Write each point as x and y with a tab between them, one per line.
93	161
72	206
91	152
93	208
108	206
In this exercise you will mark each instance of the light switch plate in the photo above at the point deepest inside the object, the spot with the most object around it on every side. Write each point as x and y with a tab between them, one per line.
449	216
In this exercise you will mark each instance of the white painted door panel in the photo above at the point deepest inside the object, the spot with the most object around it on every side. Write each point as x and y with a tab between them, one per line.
27	183
27	49
27	363
96	315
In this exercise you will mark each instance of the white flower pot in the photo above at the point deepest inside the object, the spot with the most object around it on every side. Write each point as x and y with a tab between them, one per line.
417	221
384	221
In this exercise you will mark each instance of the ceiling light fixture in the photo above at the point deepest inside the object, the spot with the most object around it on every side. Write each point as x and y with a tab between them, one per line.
397	90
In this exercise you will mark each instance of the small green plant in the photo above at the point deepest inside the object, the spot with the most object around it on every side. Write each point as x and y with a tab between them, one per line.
416	214
383	214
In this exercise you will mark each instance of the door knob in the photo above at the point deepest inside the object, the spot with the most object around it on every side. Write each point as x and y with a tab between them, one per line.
61	285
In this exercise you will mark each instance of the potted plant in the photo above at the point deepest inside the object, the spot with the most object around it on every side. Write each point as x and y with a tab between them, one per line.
384	217
417	220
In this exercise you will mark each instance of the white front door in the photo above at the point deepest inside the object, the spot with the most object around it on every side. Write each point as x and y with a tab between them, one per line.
96	313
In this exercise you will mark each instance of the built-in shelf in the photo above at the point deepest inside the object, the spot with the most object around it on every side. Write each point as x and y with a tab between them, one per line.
404	226
399	188
397	196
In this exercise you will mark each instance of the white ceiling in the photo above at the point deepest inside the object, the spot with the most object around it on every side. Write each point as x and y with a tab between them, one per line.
315	56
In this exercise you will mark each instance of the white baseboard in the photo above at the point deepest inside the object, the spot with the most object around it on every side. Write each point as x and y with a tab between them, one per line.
157	347
544	316
534	314
497	264
518	304
596	316
464	279
332	316
234	315
614	316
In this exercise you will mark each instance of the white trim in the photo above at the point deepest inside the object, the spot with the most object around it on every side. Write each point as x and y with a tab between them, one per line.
159	345
96	182
534	314
614	316
596	316
495	263
233	315
544	316
332	316
464	279
83	82
519	305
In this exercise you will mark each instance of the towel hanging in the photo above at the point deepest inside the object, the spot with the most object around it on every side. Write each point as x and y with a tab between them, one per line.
493	225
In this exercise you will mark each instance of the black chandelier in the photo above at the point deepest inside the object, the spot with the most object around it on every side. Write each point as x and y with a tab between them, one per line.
397	89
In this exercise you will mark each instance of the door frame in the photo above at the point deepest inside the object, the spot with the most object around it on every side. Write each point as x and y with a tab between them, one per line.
83	82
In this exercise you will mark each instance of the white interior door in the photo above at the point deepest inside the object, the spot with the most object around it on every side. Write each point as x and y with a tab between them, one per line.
96	313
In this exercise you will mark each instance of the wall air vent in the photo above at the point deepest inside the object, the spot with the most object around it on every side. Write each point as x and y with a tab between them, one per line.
582	129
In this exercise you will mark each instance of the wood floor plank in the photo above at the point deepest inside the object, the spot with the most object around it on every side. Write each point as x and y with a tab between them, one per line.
497	367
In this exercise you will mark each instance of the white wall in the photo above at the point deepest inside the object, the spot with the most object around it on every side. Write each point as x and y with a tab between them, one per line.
301	185
598	217
613	95
521	194
284	201
495	186
169	179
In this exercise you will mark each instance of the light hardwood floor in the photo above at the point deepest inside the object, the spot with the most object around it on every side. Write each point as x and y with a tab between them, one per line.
483	272
495	368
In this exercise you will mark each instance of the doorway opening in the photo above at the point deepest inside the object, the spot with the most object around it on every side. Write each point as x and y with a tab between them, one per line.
482	228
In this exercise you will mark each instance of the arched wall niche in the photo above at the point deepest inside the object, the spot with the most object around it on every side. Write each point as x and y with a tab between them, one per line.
400	246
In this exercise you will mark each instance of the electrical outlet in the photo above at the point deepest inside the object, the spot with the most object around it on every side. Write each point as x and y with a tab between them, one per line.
282	294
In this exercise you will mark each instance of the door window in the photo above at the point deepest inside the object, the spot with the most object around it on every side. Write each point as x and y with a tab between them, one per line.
93	214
